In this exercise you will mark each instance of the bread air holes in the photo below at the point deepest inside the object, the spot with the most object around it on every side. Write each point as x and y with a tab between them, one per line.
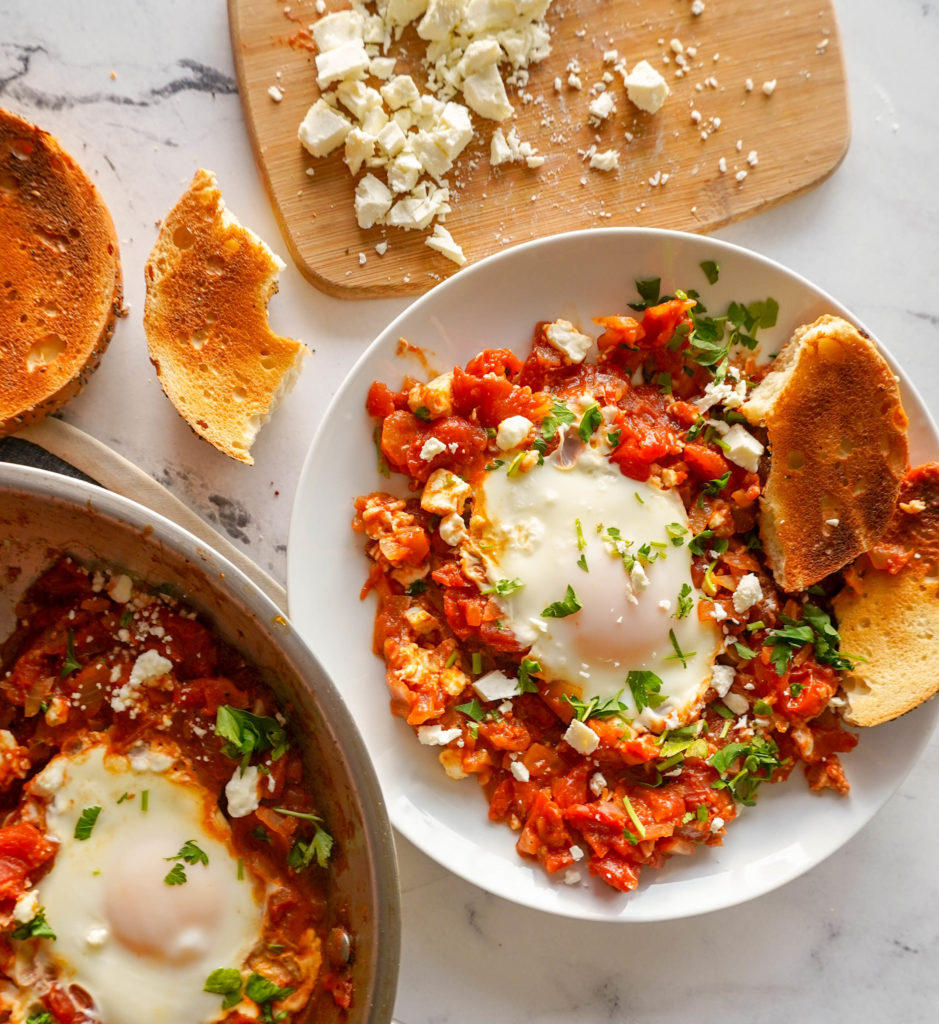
239	394
267	361
44	352
183	238
796	460
8	183
199	338
846	447
215	265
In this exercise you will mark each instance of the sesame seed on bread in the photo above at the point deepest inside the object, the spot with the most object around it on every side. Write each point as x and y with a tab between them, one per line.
888	613
838	450
209	280
60	275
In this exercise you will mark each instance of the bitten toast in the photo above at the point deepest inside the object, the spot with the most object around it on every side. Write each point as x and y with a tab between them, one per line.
209	280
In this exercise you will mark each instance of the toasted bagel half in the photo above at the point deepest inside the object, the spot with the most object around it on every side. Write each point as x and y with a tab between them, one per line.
888	613
60	275
838	450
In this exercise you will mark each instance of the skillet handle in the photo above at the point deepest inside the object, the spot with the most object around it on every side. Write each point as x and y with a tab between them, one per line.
114	472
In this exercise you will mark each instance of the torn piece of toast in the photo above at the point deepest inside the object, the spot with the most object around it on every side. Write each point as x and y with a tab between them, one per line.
838	450
60	275
888	613
209	280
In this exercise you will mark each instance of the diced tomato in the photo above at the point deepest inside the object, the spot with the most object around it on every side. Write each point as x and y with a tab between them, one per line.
704	462
659	322
615	872
804	692
380	401
23	849
500	361
494	399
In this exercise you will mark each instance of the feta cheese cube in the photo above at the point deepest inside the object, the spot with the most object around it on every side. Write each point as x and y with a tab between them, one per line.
360	146
391	139
722	678
454	129
748	592
645	87
382	67
436	396
443	242
323	129
495	685
500	152
241	792
431	448
440	19
358	98
412	214
336	30
485	93
452	529
606	160
403	172
563	336
581	737
348	61
737	703
437	735
519	772
400	92
742	449
512	431
399	13
601	107
444	493
478	55
372	201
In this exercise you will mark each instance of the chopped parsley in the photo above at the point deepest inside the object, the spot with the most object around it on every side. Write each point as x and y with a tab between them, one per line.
86	822
383	466
634	818
473	709
714	487
225	981
676	533
795	689
551	424
614	436
264	992
582	562
561	609
526	670
681	655
246	734
422	412
37	928
711	270
43	1017
191	853
756	761
476	663
645	686
71	663
415	587
685	601
303	852
504	587
176	875
745	652
127	617
649	293
591	419
698	542
595	707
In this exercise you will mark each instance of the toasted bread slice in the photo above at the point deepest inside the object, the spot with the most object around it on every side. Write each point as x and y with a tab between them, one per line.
209	280
838	450
889	611
60	275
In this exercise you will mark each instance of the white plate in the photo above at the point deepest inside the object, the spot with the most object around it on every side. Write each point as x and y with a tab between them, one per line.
496	303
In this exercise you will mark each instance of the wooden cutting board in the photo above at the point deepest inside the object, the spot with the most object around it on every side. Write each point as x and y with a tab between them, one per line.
799	134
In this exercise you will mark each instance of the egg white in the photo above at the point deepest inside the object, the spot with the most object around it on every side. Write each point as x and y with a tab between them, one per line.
524	528
142	949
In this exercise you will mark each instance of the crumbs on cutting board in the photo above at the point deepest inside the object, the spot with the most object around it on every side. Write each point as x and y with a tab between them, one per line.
404	136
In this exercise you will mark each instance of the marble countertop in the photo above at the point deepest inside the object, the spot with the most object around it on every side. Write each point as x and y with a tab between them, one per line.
857	937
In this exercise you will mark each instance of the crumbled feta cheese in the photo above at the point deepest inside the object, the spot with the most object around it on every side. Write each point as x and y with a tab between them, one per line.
27	907
50	779
769	87
748	592
722	678
437	735
697	7
323	129
832	522
347	61
563	336
495	685
519	772
646	88
431	448
452	529
597	783
604	160
512	431
717	823
241	792
572	877
601	107
121	588
581	737
737	703
372	200
275	93
443	242
143	759
382	67
742	448
753	158
577	853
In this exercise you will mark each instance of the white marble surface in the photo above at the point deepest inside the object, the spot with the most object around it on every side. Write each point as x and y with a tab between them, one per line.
855	939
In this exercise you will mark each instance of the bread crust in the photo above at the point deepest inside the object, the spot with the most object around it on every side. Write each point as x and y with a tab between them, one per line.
209	280
837	436
888	613
60	275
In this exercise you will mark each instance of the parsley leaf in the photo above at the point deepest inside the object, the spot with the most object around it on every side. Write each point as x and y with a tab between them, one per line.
246	734
225	981
473	709
645	687
633	817
681	655
676	533
415	587
383	466
786	641
744	652
191	853
614	436
827	639
504	587
176	875
714	487
86	822
595	707
711	270
591	419
71	663
648	293
526	670
37	928
264	992
43	1017
551	423
756	760
698	542
304	852
685	600
561	609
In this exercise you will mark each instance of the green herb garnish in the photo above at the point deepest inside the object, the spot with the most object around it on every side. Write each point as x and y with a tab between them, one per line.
645	686
71	663
591	419
86	822
247	734
561	609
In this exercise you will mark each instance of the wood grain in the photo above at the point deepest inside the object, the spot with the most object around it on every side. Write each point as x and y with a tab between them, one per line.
799	134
